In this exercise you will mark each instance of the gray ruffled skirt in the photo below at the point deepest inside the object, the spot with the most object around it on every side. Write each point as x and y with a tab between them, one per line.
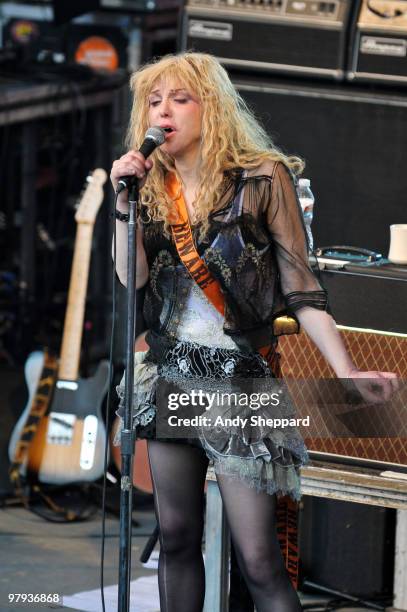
264	457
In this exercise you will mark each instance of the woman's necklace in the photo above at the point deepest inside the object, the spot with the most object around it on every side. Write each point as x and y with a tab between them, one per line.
189	196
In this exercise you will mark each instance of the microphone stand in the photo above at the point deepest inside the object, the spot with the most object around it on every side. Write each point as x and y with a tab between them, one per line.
127	434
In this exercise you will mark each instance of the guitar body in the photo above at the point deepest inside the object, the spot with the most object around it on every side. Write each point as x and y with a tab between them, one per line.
70	441
68	445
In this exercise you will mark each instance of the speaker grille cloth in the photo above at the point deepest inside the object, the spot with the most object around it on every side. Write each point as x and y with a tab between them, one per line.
369	351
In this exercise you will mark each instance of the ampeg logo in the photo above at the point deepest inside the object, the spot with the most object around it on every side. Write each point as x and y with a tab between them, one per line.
396	47
210	29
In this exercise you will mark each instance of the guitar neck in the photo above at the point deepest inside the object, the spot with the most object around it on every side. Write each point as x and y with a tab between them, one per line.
73	326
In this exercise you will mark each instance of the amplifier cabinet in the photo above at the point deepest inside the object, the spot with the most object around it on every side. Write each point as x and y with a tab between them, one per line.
353	141
379	43
352	296
289	37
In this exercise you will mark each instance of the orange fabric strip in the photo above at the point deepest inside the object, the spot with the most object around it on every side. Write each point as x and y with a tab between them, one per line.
182	233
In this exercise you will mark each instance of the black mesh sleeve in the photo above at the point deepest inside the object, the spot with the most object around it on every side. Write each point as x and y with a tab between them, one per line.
299	284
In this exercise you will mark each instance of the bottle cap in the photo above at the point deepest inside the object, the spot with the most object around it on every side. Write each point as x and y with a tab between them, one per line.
304	182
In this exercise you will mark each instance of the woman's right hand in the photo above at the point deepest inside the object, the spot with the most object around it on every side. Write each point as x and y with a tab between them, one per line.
131	163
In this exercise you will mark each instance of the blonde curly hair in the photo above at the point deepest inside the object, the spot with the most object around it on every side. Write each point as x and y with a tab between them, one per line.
231	136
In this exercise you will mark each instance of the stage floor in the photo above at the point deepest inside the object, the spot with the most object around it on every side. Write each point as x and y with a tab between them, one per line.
42	557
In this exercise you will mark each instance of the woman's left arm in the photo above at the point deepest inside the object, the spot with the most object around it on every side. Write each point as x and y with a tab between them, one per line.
304	295
321	328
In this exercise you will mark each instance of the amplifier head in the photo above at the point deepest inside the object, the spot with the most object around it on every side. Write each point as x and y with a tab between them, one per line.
378	51
290	37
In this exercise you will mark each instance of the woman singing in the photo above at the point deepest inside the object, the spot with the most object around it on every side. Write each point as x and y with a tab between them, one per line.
218	172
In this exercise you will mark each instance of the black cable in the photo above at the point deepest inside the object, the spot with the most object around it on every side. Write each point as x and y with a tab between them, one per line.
334	604
385	14
343	600
112	334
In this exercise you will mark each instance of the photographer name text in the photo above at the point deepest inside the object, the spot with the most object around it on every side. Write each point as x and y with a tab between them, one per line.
221	421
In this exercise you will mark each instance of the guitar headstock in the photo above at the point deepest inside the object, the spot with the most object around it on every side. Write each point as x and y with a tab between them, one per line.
92	197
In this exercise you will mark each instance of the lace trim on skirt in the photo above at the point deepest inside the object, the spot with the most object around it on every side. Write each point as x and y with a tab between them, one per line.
145	378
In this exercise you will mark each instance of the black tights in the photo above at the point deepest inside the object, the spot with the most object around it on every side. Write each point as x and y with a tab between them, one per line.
178	474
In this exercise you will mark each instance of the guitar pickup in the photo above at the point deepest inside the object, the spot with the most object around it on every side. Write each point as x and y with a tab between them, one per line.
71	385
88	447
60	428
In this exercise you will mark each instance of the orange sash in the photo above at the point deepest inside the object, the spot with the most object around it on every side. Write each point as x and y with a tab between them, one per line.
287	509
182	233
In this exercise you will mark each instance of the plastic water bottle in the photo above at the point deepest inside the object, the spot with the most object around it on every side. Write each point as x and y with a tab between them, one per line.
306	198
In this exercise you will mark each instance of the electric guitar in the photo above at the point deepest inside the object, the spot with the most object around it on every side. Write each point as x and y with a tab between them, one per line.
68	445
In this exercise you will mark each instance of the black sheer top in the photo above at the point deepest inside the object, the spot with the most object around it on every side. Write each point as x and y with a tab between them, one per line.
257	249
